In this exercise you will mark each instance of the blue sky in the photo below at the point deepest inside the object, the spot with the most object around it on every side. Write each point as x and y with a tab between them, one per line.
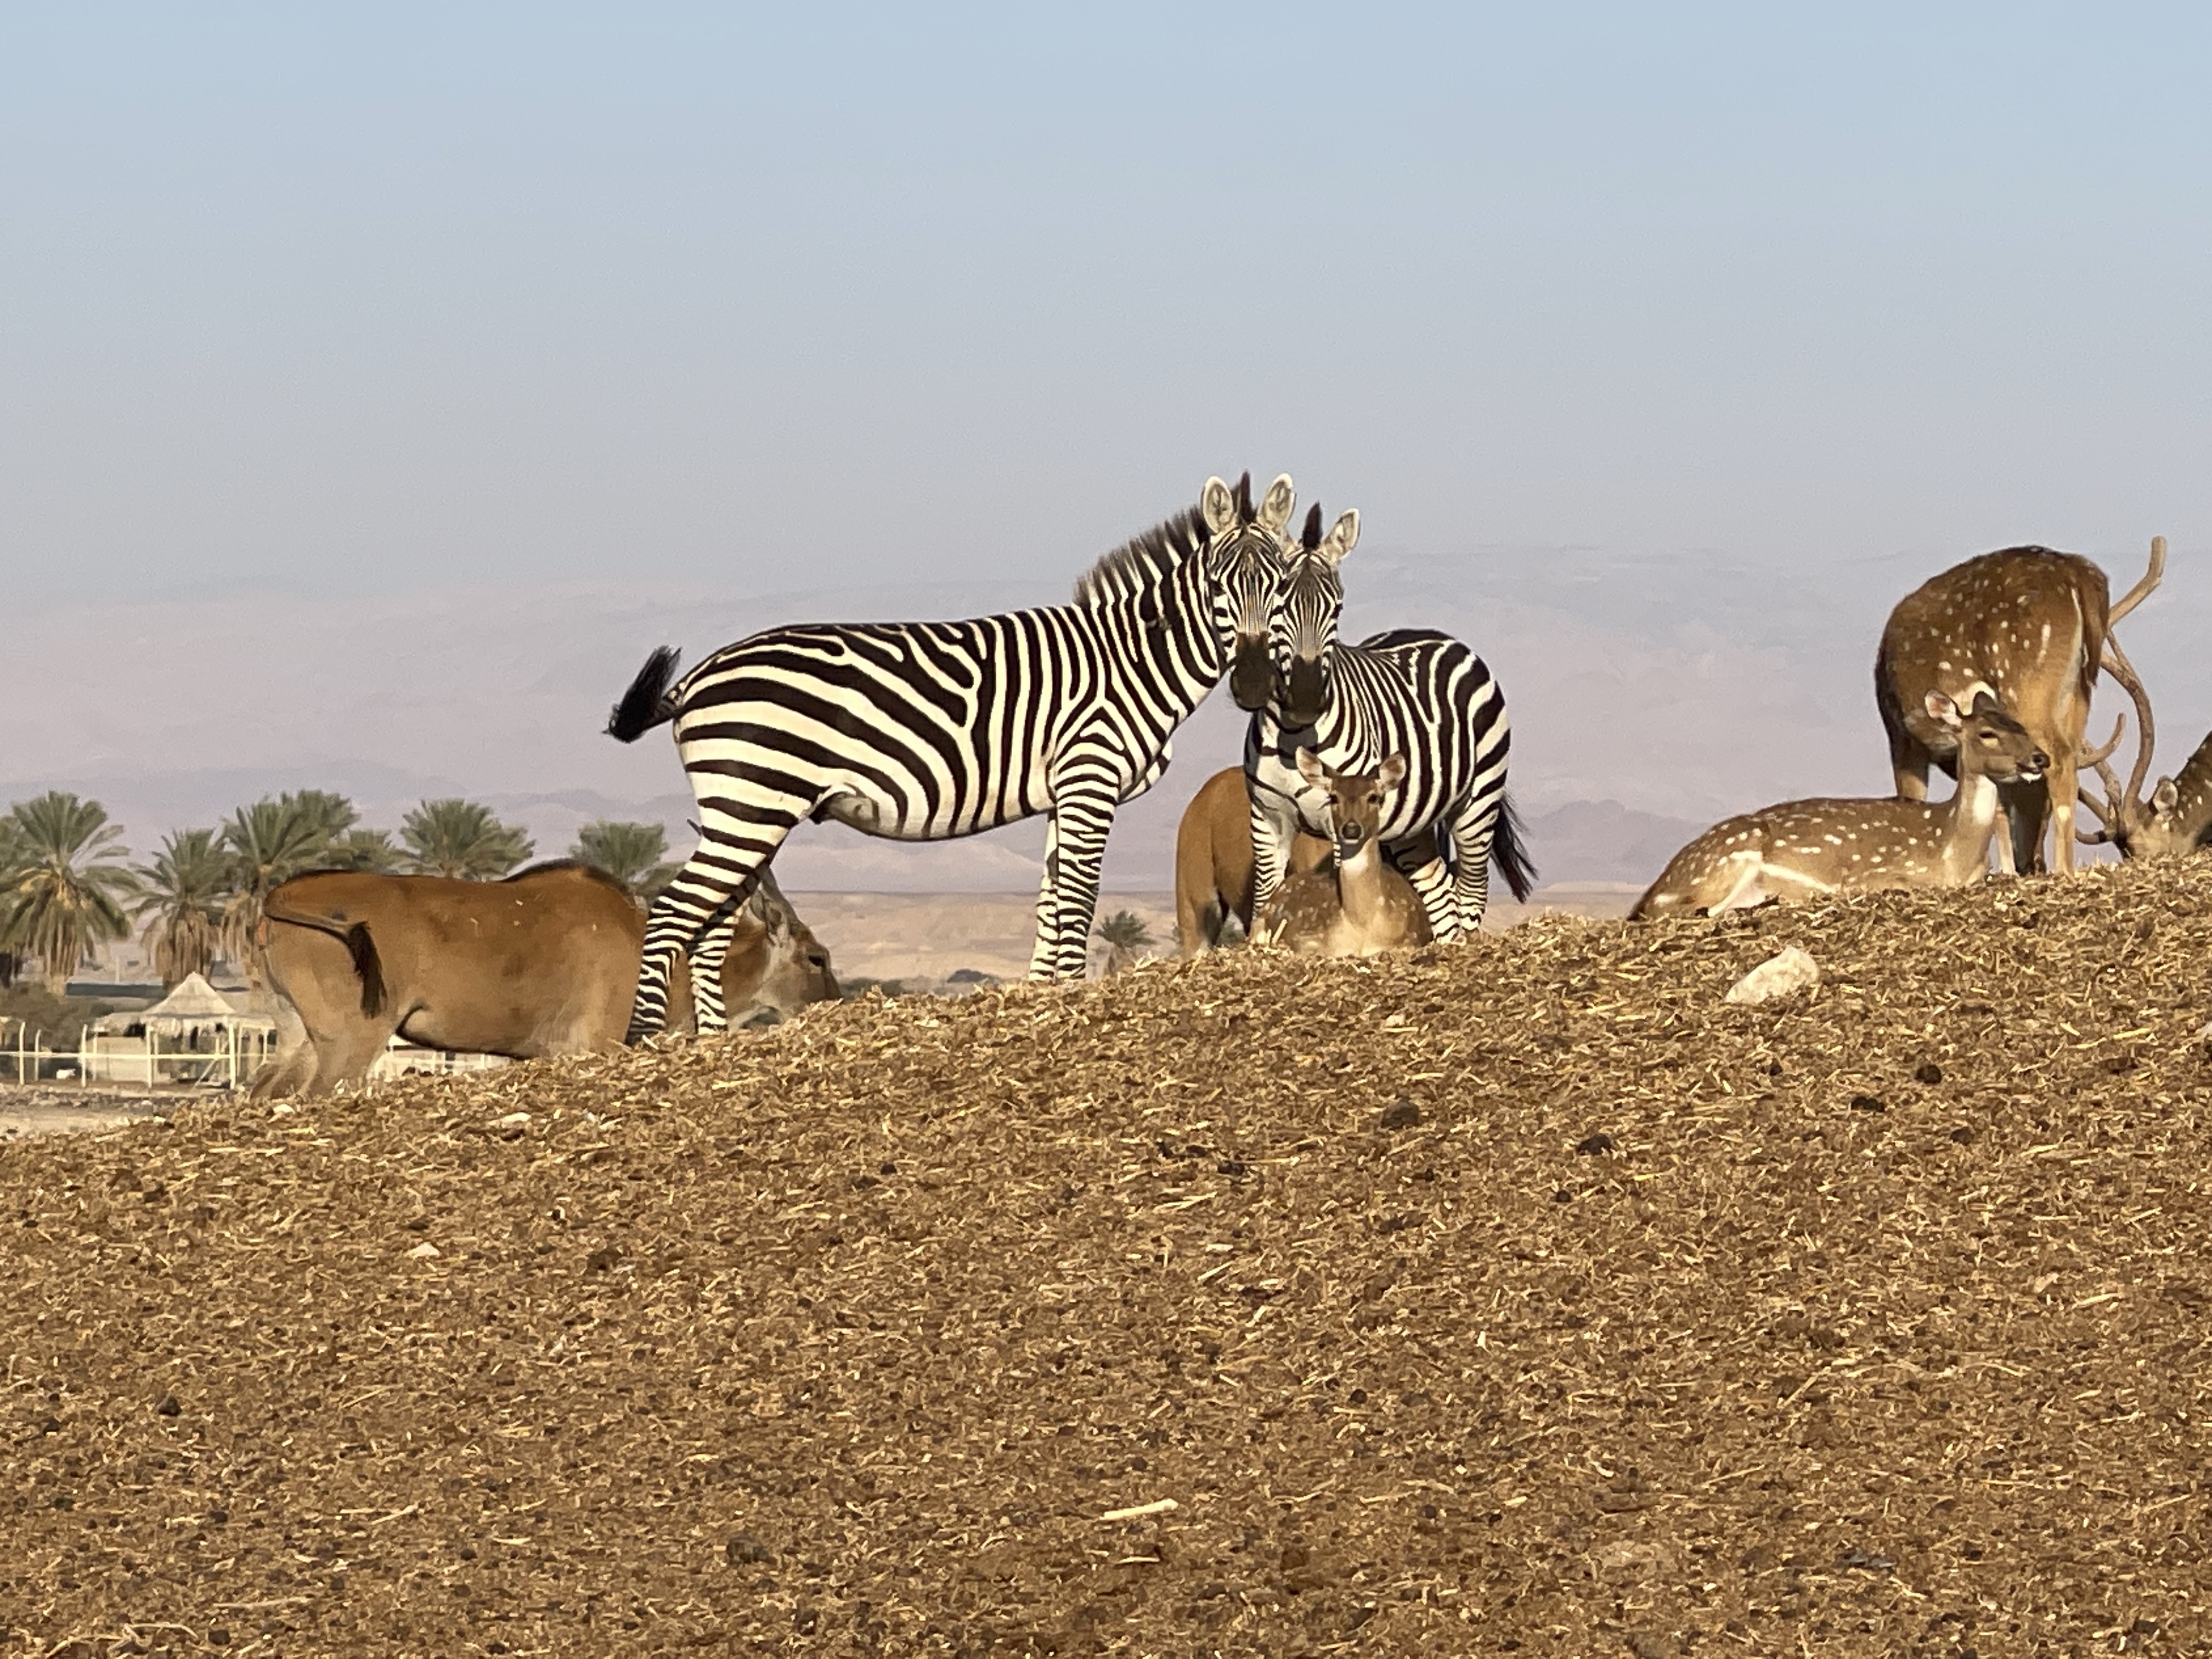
402	294
1697	331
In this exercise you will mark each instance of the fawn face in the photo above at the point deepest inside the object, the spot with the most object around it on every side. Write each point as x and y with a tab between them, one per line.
1991	741
1354	803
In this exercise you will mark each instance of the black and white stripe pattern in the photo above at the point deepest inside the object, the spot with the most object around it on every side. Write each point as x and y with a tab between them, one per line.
1410	691
929	731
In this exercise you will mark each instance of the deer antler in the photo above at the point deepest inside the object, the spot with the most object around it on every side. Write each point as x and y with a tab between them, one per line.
2098	756
2118	665
2136	595
2105	806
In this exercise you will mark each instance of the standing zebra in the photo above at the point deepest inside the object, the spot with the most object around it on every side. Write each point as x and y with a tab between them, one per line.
928	731
1408	691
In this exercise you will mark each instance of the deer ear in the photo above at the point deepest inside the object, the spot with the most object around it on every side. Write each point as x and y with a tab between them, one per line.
1986	702
2165	797
1217	506
1943	711
1311	769
1392	772
1275	508
1343	537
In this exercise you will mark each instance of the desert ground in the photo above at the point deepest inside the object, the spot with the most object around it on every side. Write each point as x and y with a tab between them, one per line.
923	938
1522	1297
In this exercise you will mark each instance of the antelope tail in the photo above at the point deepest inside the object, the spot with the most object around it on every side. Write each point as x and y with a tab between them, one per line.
358	944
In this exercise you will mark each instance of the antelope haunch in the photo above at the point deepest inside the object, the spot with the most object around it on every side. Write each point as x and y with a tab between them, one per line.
1806	850
545	963
1213	861
2177	817
1360	904
2027	625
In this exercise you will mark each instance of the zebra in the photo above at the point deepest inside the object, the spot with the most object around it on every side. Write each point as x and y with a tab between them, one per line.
928	731
1408	691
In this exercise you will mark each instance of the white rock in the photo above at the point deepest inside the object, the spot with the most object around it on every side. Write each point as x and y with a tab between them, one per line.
424	1253
1777	976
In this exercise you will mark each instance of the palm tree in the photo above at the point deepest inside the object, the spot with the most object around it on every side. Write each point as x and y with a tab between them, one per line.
635	855
333	813
1123	934
373	850
60	900
12	859
184	891
269	843
461	839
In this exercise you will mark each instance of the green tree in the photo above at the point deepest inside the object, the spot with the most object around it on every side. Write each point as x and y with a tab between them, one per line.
1123	934
182	894
64	885
13	856
372	850
270	842
635	855
461	839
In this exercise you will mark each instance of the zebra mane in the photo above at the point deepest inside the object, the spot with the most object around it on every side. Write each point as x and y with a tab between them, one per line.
1143	561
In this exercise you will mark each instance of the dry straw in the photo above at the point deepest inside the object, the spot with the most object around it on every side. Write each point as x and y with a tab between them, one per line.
1519	1293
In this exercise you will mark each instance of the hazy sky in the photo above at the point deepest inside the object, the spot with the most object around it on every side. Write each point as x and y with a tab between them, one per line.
404	301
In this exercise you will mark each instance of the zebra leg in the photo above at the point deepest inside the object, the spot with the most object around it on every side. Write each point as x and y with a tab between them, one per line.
714	880
708	953
1418	859
1081	813
1474	826
1045	951
1274	827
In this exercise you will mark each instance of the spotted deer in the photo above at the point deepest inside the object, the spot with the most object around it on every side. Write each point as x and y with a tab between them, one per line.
2029	626
1360	903
1807	849
2176	818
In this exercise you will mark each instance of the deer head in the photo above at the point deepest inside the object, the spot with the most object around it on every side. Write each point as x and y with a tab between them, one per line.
1354	803
2173	820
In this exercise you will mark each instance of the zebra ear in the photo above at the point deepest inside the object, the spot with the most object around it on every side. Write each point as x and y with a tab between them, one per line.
1275	508
1342	537
1219	508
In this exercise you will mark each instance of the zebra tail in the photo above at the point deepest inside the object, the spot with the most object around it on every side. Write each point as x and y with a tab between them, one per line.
1508	851
647	703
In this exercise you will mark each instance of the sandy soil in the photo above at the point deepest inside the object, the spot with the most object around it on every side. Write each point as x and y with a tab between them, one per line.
925	938
61	1108
1523	1297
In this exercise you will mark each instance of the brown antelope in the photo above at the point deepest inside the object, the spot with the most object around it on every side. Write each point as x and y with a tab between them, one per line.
2177	817
1360	904
545	963
1213	861
1806	850
2029	626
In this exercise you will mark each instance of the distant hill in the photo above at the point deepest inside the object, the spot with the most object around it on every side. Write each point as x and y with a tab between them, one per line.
1604	841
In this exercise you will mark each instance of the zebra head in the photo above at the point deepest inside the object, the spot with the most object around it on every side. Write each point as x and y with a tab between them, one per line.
1244	562
1303	626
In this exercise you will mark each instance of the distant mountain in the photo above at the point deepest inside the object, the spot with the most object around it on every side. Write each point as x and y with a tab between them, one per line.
1604	841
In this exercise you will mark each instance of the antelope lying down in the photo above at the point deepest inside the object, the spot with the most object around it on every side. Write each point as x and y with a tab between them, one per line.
1359	904
1805	849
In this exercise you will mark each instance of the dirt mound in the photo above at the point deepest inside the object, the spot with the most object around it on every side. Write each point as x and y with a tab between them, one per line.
1518	1298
